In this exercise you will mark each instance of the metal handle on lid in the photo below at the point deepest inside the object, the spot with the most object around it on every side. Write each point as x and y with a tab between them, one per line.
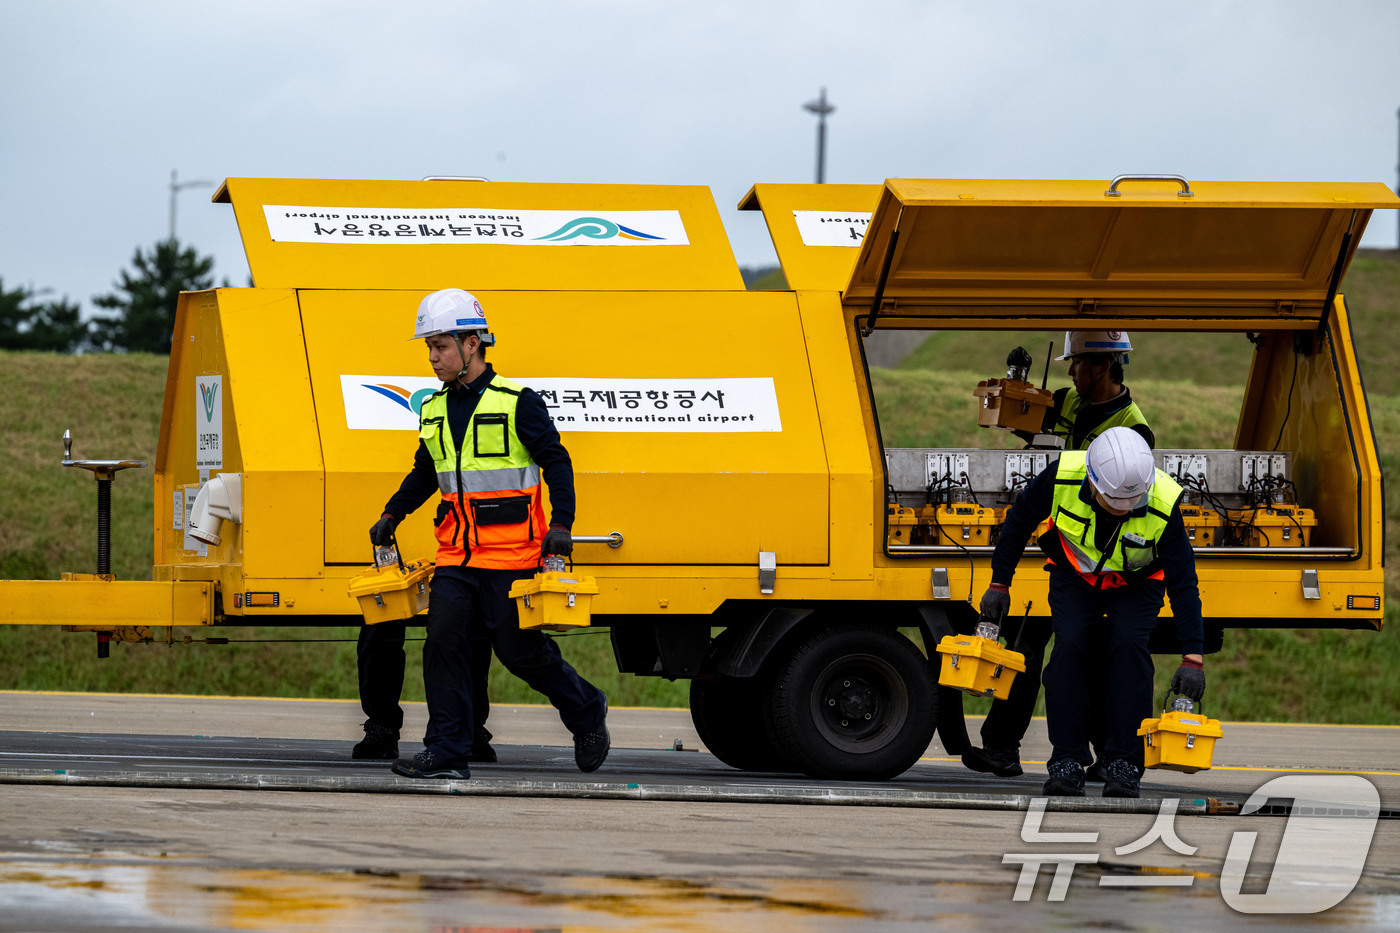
612	539
1185	191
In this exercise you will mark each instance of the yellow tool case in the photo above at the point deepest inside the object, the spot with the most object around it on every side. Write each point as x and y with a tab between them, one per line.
554	600
961	523
1181	740
1279	526
1203	525
392	590
979	666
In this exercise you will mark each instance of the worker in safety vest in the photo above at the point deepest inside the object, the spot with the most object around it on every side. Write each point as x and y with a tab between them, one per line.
1116	544
483	443
1098	400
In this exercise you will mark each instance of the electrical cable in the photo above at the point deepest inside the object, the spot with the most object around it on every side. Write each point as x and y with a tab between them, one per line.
1289	410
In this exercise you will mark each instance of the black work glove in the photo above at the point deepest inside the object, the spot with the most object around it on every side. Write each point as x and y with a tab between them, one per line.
996	603
1190	681
557	540
382	534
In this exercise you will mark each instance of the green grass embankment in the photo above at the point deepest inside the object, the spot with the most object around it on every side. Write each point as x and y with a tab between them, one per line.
113	403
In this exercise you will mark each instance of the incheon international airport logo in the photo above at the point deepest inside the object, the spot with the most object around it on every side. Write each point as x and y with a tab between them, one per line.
596	228
410	399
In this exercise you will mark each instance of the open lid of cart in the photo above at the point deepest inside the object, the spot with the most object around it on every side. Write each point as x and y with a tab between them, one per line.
352	234
1061	253
817	230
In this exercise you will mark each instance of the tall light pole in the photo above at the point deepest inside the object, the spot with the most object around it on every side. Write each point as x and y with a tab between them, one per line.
821	108
175	187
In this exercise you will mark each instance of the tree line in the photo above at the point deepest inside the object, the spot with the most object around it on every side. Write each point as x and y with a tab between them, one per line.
140	312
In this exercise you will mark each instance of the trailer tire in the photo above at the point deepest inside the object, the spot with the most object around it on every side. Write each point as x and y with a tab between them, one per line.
853	702
728	716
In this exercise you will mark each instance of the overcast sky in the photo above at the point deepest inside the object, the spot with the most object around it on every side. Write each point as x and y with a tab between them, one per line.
99	101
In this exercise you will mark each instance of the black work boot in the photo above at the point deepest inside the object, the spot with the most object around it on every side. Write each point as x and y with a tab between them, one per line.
999	761
1066	778
379	744
591	748
1122	779
481	746
425	764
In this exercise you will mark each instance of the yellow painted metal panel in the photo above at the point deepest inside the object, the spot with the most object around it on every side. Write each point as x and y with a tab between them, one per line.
705	261
252	338
197	349
107	603
1327	426
700	496
847	431
274	420
1242	250
809	266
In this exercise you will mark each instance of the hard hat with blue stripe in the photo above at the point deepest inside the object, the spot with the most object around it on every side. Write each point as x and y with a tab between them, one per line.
1083	342
451	311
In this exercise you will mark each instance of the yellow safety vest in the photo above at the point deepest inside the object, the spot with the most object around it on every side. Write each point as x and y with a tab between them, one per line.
492	513
1124	417
1133	551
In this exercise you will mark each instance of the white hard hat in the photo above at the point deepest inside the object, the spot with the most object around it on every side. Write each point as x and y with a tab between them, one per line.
451	311
1079	342
1121	468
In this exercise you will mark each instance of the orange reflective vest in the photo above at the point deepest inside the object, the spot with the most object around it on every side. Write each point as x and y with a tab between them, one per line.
492	512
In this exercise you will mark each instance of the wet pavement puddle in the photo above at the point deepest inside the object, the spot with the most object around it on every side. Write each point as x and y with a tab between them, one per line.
114	891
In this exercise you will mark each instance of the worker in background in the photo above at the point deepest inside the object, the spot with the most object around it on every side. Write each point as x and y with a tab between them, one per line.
380	658
1115	545
483	443
1097	401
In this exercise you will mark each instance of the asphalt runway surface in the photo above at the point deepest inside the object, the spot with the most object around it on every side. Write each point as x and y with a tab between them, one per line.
195	813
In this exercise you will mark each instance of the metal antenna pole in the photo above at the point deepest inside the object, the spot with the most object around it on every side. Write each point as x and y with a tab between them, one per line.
821	108
175	187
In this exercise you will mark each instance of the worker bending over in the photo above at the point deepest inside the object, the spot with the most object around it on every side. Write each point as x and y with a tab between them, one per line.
1115	545
1097	401
483	442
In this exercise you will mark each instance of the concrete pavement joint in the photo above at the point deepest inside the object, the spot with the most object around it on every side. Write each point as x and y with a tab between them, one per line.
597	790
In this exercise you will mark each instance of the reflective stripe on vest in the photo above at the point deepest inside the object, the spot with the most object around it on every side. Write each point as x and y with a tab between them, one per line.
1124	417
1133	551
492	512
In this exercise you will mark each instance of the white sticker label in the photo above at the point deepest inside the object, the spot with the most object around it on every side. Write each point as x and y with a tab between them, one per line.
409	226
831	228
179	511
209	422
391	403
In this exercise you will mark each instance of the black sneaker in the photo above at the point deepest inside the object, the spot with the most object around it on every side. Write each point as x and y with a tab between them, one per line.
1122	779
427	765
996	761
379	744
481	746
591	748
1066	778
1096	773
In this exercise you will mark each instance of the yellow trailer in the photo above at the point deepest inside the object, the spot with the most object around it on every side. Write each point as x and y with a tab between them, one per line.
747	527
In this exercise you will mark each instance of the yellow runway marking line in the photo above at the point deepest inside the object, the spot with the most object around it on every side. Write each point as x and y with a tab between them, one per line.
1232	768
1296	725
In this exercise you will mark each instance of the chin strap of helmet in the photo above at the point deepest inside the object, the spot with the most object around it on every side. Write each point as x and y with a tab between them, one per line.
462	353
